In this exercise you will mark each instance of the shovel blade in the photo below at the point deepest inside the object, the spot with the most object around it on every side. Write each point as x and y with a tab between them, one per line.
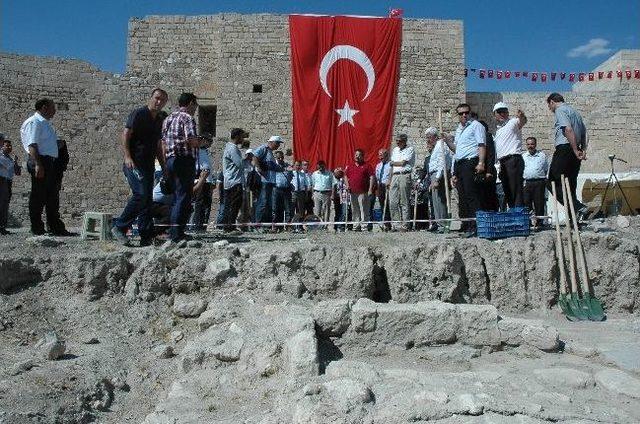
596	311
578	308
565	305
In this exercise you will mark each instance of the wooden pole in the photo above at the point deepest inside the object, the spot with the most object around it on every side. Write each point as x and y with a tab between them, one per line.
444	160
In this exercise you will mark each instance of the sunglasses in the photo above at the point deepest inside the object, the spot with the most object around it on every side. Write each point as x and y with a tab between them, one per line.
466	112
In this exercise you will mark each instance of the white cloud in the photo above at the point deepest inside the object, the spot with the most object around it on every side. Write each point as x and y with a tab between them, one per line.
595	47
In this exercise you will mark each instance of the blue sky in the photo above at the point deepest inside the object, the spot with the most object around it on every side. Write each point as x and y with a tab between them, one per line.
510	34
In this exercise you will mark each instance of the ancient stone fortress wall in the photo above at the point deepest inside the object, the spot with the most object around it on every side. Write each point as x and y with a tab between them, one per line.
609	108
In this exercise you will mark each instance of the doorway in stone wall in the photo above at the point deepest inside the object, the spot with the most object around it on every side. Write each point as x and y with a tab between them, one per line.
207	119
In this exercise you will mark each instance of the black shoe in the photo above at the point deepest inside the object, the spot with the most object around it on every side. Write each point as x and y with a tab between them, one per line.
4	232
37	232
144	242
63	233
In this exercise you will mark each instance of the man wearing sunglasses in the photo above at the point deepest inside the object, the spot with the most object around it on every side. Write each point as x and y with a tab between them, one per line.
508	141
469	165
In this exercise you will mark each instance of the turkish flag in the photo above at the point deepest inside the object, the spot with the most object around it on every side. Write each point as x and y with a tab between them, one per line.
507	74
344	85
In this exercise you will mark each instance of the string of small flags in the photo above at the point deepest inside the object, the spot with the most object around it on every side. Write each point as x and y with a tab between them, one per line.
543	77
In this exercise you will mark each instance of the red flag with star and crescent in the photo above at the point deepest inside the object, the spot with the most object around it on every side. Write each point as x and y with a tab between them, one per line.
344	84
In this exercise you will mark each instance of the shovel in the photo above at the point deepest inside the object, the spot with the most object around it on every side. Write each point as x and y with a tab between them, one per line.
592	306
575	303
563	301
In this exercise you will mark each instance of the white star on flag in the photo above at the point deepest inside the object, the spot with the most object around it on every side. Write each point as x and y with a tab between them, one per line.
346	114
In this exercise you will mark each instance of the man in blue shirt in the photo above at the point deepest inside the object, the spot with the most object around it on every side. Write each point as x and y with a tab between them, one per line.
469	165
234	178
8	168
267	167
570	143
282	192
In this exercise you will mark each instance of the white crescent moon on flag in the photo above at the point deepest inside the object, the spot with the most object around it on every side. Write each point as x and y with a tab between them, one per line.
347	52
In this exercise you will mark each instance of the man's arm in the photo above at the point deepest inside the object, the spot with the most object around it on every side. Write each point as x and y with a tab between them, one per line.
571	136
126	139
448	139
482	154
522	119
201	180
33	152
160	153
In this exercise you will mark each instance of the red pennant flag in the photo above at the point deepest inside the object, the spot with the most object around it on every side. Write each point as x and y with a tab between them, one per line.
628	73
619	73
534	76
581	76
600	74
572	77
345	73
490	73
553	76
610	74
563	75
636	73
466	72
499	74
590	76
507	74
525	74
517	74
481	73
396	13
543	77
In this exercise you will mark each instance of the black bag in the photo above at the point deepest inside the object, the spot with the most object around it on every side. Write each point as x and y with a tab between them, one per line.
254	181
166	185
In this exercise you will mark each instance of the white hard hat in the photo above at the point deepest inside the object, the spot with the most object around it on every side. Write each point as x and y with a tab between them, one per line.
500	105
276	139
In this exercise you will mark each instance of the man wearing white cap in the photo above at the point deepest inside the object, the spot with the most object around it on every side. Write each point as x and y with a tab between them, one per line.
267	167
508	142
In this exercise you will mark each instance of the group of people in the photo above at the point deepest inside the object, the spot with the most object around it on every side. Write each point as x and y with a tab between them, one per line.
170	174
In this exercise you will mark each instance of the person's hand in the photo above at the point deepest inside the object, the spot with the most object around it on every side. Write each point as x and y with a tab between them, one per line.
454	181
479	168
205	173
519	114
488	176
128	162
580	154
39	171
434	184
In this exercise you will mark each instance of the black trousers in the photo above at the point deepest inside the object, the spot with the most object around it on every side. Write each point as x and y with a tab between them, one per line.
511	169
381	194
44	196
300	200
202	207
5	198
469	190
564	162
232	205
534	197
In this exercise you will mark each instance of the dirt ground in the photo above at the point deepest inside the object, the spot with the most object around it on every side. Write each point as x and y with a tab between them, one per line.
318	327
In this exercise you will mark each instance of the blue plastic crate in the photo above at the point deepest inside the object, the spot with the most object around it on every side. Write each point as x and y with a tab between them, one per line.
377	215
494	225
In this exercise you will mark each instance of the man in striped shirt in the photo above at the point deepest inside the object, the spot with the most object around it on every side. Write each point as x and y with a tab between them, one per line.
180	145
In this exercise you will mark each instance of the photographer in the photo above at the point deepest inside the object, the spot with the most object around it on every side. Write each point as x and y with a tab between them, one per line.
203	187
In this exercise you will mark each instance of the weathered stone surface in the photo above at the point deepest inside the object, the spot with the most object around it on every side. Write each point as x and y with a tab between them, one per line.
51	346
333	317
18	272
517	331
223	344
44	241
163	351
348	393
188	306
619	382
219	270
302	355
565	377
97	275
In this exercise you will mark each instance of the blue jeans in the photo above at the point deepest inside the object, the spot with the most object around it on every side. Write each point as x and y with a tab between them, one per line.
139	204
264	204
182	170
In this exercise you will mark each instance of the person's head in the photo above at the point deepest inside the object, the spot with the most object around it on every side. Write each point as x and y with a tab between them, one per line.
157	100
431	135
238	135
359	156
6	146
554	100
296	165
205	142
463	110
279	155
401	140
420	172
274	142
188	101
532	144
304	165
338	173
46	108
501	111
383	155
248	154
322	165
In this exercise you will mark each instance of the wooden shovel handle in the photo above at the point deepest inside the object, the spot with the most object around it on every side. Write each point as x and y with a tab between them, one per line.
559	249
572	260
581	258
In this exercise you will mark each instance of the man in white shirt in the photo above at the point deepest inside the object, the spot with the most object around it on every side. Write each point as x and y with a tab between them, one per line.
8	168
322	182
403	158
439	163
535	177
508	142
383	179
234	182
40	141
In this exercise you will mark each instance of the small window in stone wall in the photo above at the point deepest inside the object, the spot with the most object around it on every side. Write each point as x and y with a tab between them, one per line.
257	88
62	106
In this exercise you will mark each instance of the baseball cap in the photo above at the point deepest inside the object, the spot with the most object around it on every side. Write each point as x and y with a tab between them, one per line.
248	152
276	139
500	105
